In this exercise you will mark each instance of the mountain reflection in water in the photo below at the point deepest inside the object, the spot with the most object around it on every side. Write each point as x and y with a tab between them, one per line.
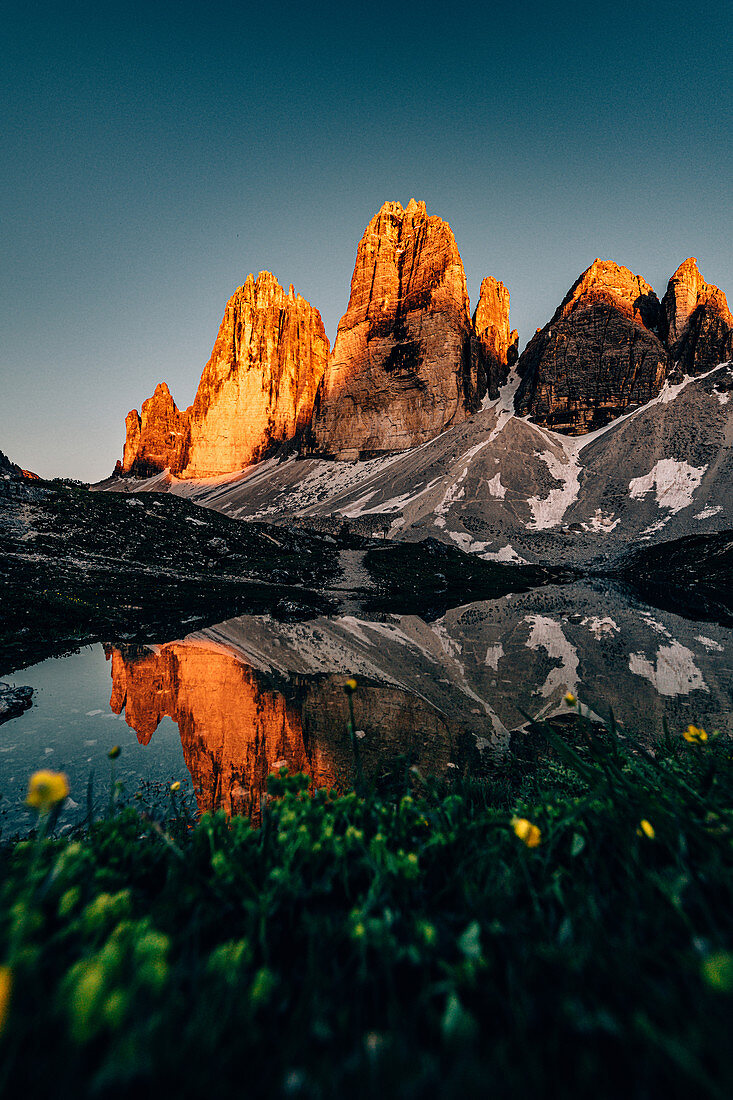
237	725
251	693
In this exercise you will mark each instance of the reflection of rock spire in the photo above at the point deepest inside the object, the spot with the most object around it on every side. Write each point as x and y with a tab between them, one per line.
232	732
235	728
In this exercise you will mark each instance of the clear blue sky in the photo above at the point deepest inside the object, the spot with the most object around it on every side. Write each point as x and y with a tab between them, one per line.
154	154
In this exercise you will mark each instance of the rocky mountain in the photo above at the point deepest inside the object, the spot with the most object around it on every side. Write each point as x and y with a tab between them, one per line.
400	372
507	489
156	437
610	345
409	362
612	427
10	472
495	345
257	389
695	322
598	355
259	385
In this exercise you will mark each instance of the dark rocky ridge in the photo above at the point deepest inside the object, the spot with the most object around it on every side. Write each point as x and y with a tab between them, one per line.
400	372
611	345
597	356
78	566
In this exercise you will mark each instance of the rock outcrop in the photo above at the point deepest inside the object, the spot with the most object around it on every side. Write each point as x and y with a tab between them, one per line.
259	386
695	321
495	343
257	389
155	437
400	372
10	472
598	356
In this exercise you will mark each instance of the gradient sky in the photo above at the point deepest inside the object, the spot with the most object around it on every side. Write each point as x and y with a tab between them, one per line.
154	154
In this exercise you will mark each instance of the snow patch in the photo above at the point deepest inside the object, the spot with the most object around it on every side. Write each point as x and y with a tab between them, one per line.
601	522
493	655
503	405
711	510
675	482
710	644
547	634
549	511
466	543
675	672
496	488
653	624
507	553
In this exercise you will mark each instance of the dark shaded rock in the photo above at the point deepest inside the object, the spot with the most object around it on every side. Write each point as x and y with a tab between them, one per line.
13	701
598	356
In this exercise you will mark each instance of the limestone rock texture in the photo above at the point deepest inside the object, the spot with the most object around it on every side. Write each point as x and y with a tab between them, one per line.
259	386
495	343
695	322
400	371
257	389
598	356
156	436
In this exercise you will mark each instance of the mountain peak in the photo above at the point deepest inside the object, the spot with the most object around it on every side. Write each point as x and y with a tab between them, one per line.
397	375
598	355
696	322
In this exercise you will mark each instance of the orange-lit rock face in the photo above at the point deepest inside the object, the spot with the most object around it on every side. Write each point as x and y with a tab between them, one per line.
236	727
232	733
260	382
156	437
401	364
597	356
696	323
496	343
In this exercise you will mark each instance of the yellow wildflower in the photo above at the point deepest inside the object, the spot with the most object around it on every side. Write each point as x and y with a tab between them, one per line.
176	786
6	988
114	752
46	789
646	828
695	735
570	699
528	833
350	686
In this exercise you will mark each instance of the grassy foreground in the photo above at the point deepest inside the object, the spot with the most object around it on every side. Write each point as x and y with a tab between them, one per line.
414	944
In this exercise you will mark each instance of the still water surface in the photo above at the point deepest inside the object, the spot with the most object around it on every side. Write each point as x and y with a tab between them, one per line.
219	709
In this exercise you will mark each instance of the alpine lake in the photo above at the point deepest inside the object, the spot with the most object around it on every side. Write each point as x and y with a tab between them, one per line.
451	694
